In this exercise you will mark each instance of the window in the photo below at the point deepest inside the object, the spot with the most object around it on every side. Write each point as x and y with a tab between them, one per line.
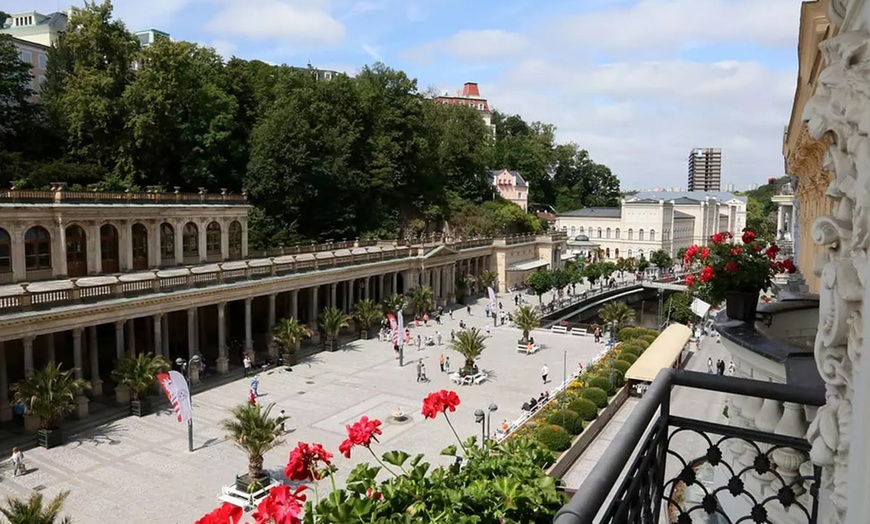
42	60
519	196
190	240
599	232
616	253
167	241
582	230
608	232
630	237
652	235
213	239
37	249
27	57
5	252
629	251
572	231
640	235
617	233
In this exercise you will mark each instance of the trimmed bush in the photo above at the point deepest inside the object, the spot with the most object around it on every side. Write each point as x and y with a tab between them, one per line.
585	408
628	333
618	379
568	419
631	358
554	437
597	395
649	338
622	366
630	350
642	344
603	382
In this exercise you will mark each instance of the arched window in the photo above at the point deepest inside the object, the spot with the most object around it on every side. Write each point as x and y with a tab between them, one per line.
76	251
190	240
608	232
5	252
573	231
109	249
617	233
629	251
630	235
640	234
640	253
607	252
582	231
652	235
140	246
616	252
599	232
37	249
235	239
167	242
213	239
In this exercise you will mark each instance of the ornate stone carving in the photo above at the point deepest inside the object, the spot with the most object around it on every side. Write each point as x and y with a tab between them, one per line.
840	112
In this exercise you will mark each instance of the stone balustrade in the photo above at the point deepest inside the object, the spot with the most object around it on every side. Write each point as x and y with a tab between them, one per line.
59	194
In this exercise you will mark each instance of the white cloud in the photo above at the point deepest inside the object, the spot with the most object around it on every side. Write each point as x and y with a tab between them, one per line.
224	48
299	22
473	46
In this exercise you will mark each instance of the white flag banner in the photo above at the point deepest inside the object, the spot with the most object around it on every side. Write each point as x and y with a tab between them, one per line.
401	329
700	308
175	387
493	303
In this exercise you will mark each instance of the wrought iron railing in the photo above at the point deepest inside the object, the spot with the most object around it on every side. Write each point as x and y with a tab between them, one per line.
753	475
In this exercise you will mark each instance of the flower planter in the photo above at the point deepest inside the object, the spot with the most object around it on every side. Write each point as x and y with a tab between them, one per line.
31	422
330	345
289	359
364	334
244	482
49	438
140	408
741	305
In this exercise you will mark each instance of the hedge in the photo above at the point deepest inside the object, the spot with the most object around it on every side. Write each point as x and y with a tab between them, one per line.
568	419
631	358
628	333
554	437
597	395
601	382
622	366
585	409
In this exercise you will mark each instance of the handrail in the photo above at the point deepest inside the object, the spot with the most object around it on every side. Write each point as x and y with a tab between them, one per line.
59	194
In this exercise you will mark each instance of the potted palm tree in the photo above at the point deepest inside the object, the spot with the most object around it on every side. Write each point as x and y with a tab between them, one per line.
526	319
49	393
331	321
255	431
33	511
469	344
367	313
421	299
288	333
487	278
137	374
617	313
394	303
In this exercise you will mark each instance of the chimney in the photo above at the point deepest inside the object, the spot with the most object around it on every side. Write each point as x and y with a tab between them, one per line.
470	89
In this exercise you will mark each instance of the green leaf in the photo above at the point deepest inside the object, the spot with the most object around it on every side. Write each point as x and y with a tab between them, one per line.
395	458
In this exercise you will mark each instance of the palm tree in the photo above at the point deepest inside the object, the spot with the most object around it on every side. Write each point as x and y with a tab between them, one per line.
470	281
32	511
469	344
618	313
487	278
526	319
289	333
49	393
421	299
331	321
256	432
394	303
138	373
367	312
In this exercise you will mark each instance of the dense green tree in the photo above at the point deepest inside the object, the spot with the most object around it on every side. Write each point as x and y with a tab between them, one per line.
661	259
15	92
540	282
579	182
678	307
527	148
561	278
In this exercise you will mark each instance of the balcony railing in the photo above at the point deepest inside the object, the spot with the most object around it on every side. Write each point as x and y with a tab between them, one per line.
59	194
751	475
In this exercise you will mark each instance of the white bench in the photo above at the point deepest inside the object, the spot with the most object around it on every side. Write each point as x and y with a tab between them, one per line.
455	378
479	378
246	501
578	331
522	348
559	329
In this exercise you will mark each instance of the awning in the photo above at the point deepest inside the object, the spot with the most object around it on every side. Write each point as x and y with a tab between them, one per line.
661	354
526	266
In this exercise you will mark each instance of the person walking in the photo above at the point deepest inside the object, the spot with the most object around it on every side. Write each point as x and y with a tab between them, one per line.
419	370
283	417
248	364
468	309
731	368
452	335
447	365
438	337
710	365
252	398
419	342
255	385
17	460
441	362
451	313
544	372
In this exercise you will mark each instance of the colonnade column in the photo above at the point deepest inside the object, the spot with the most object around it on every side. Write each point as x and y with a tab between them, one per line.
223	362
119	339
332	295
312	314
5	407
192	350
249	339
294	304
52	355
131	337
365	293
81	399
350	291
158	334
381	281
96	383
394	286
164	321
272	315
27	342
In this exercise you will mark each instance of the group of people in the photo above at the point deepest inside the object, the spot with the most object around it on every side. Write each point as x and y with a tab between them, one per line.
720	366
533	403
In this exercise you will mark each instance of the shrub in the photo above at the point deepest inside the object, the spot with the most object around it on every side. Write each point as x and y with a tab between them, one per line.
554	437
567	419
585	409
618	379
628	333
630	350
622	366
602	382
649	339
597	395
642	344
631	358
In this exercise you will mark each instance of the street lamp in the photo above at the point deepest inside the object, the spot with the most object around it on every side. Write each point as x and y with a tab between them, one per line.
480	418
491	409
185	369
661	294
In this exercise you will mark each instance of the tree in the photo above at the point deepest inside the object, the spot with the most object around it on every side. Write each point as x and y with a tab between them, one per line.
49	393
139	373
15	93
618	313
367	312
526	319
331	321
592	272
470	344
255	431
607	269
540	282
681	254
34	510
394	303
421	299
561	279
679	307
642	265
487	278
661	259
289	332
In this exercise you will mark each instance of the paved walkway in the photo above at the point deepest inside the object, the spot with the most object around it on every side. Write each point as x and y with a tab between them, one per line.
139	469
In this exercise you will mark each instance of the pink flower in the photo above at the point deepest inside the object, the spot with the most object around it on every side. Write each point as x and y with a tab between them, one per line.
707	274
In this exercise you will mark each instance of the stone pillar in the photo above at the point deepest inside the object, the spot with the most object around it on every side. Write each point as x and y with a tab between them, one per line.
394	284
272	316
119	339
351	288
365	289
202	238
179	242
157	320
5	407
313	311
779	222
50	348
244	224
131	337
249	336
381	295
332	295
225	240
294	303
58	249
154	248
19	263
437	295
223	362
81	399
27	342
165	333
125	245
95	250
192	349
94	354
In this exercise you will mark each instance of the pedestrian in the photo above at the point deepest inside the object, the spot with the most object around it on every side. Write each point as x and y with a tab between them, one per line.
447	365
247	363
419	343
438	337
451	313
468	309
452	335
441	362
255	384
419	370
426	319
710	365
486	310
731	368
17	462
488	329
283	418
500	307
252	399
544	372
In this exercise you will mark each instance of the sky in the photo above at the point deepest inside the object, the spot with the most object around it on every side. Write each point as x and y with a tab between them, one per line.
637	83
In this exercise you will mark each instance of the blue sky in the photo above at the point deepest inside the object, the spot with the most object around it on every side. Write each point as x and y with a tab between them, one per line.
638	83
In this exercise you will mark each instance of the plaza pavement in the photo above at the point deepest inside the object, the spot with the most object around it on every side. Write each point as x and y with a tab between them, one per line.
138	470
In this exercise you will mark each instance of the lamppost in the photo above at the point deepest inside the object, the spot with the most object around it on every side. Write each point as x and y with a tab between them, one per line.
491	409
185	370
661	294
480	418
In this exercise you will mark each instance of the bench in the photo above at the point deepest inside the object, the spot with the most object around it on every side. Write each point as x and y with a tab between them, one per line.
578	331
479	378
559	329
246	501
522	348
456	378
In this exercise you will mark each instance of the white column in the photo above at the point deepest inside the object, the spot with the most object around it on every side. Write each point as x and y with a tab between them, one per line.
332	295
394	283
158	334
96	383
95	249
131	337
19	265
119	339
5	407
313	311
365	289
249	336
223	362
201	243
125	247
49	343
244	224
179	242
351	289
81	399
294	303
153	243
438	295
381	291
272	315
225	240
779	221
58	249
27	342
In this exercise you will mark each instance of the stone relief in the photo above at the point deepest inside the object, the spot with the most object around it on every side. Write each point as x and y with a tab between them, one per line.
839	112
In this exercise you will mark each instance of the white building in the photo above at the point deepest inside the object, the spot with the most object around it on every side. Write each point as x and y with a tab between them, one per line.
650	221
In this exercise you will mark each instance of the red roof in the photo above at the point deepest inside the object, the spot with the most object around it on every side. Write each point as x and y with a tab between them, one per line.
470	95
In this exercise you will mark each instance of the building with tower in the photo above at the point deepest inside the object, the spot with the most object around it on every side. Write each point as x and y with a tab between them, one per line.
705	169
469	96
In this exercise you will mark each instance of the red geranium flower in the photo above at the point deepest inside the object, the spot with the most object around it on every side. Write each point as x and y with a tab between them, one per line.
730	266
706	274
360	434
772	251
690	280
718	238
748	236
281	506
226	514
303	462
705	252
691	252
788	266
440	402
736	250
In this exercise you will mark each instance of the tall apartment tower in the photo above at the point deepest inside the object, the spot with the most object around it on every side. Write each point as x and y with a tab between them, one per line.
705	169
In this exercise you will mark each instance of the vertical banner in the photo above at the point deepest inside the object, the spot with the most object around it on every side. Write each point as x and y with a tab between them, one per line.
178	393
394	328
400	328
493	303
